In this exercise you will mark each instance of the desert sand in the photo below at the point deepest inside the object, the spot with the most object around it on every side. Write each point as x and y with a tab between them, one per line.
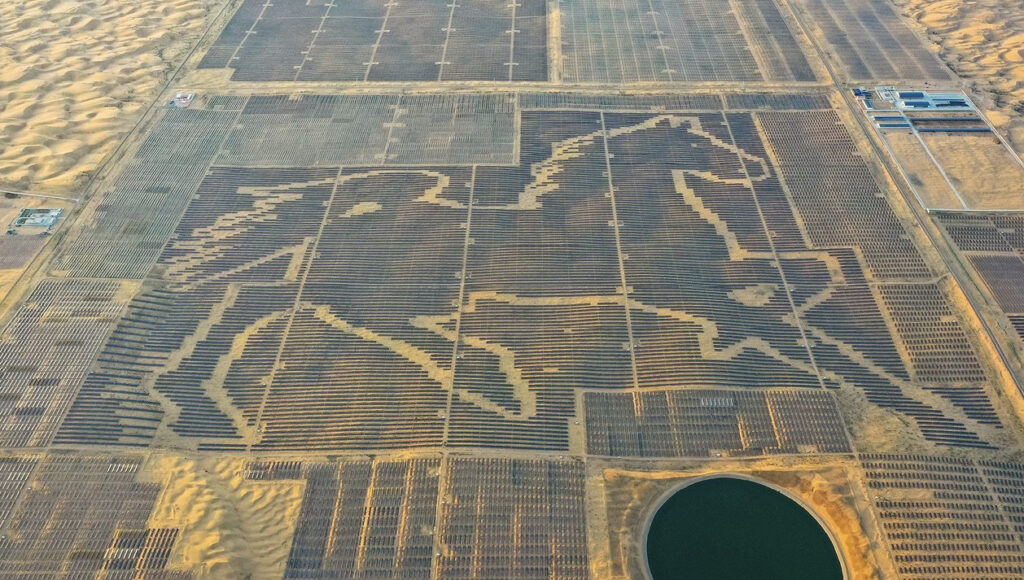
983	40
230	527
922	172
17	252
76	74
982	170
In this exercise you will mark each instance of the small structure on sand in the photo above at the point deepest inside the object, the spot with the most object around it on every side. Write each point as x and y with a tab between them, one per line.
35	218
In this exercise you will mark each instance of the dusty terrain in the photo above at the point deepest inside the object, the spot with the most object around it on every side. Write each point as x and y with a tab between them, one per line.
76	75
230	527
983	40
981	169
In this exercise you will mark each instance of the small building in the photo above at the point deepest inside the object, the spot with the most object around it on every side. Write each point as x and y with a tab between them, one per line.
35	218
182	100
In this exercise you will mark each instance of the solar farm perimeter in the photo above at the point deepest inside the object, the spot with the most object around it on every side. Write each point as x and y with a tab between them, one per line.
460	289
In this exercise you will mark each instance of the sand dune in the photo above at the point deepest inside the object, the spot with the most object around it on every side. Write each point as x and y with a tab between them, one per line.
983	40
75	75
229	527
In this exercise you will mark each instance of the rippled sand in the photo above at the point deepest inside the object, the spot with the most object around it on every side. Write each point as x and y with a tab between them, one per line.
983	40
76	74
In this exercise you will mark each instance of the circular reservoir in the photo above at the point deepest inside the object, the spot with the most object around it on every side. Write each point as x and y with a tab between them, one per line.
726	527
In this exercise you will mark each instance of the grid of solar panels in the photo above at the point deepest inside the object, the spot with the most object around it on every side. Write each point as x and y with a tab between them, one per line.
705	423
45	352
384	40
462	517
80	516
994	245
125	233
372	130
614	250
674	41
949	518
871	41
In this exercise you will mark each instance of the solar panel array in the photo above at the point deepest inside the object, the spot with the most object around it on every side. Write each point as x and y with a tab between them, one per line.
383	40
390	533
79	516
513	518
695	40
805	101
1003	275
17	472
949	518
86	516
835	193
378	275
126	231
45	353
447	318
941	355
233	263
706	423
466	516
1018	324
800	101
939	349
424	517
994	246
613	102
624	250
498	40
17	251
374	130
872	42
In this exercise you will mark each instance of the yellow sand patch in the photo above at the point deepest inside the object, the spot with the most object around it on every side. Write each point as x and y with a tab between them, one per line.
230	527
983	40
76	76
985	173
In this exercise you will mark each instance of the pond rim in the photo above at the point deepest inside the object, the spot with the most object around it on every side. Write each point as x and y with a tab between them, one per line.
726	475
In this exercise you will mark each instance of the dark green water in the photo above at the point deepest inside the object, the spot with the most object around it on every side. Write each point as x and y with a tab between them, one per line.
725	528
